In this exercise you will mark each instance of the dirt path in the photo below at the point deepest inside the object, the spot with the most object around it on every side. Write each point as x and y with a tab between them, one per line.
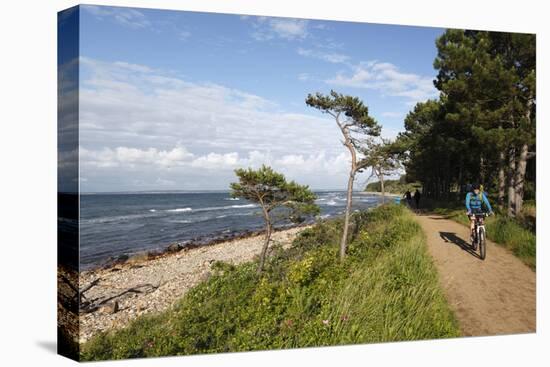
495	296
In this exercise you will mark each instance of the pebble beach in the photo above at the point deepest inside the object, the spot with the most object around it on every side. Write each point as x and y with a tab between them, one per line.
161	281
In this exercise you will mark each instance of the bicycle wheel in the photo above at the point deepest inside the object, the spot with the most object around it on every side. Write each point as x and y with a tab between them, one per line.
482	247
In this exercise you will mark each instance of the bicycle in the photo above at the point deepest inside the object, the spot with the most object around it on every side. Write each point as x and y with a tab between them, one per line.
479	237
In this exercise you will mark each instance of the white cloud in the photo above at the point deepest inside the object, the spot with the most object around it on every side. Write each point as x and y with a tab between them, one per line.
217	161
381	76
179	160
289	28
321	26
303	77
131	157
133	67
389	80
332	57
162	182
138	123
286	28
128	17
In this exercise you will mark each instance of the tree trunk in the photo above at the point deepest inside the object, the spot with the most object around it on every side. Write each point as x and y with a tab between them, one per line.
519	179
521	166
343	242
481	170
382	188
460	193
348	144
266	245
501	180
511	183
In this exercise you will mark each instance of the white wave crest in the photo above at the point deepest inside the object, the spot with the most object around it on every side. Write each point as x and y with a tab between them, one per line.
178	210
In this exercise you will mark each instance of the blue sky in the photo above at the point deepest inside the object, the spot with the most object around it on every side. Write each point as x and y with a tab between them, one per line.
177	100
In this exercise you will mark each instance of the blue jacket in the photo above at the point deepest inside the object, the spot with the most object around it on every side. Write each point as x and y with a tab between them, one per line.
474	202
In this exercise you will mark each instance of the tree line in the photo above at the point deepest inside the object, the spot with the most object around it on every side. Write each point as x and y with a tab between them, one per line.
482	126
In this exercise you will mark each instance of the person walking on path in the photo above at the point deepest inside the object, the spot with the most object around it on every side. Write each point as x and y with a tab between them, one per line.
417	198
409	198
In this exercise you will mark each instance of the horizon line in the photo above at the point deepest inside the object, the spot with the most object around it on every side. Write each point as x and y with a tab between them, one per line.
184	191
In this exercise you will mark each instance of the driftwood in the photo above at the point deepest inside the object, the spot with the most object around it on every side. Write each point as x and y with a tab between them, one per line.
79	294
89	286
93	305
68	282
69	300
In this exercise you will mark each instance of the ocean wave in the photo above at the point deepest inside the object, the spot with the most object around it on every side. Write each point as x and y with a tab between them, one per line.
232	199
155	212
117	218
243	206
178	210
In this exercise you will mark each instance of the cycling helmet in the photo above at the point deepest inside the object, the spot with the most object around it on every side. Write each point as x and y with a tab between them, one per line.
475	186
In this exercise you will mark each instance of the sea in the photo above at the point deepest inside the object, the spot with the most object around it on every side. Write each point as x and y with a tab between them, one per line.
118	224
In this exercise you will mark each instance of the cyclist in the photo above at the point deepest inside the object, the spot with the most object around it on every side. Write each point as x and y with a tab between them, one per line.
474	201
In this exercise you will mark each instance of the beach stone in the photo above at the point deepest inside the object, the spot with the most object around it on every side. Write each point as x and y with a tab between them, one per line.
204	276
122	258
137	258
175	247
109	308
153	254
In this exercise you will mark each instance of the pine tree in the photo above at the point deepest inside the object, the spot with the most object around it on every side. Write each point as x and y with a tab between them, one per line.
278	199
355	123
488	80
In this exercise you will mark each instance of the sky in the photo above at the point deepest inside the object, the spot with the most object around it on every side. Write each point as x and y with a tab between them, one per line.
174	100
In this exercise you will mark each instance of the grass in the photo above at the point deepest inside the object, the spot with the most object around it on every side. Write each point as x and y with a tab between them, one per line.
386	290
517	235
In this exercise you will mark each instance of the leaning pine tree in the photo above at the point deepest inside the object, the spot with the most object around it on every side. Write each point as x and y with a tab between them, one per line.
382	159
353	120
278	199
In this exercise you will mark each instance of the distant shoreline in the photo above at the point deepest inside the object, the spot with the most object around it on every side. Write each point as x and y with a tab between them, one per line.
195	233
376	193
160	192
170	249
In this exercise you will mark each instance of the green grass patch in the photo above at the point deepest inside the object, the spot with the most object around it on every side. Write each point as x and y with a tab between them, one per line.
386	290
